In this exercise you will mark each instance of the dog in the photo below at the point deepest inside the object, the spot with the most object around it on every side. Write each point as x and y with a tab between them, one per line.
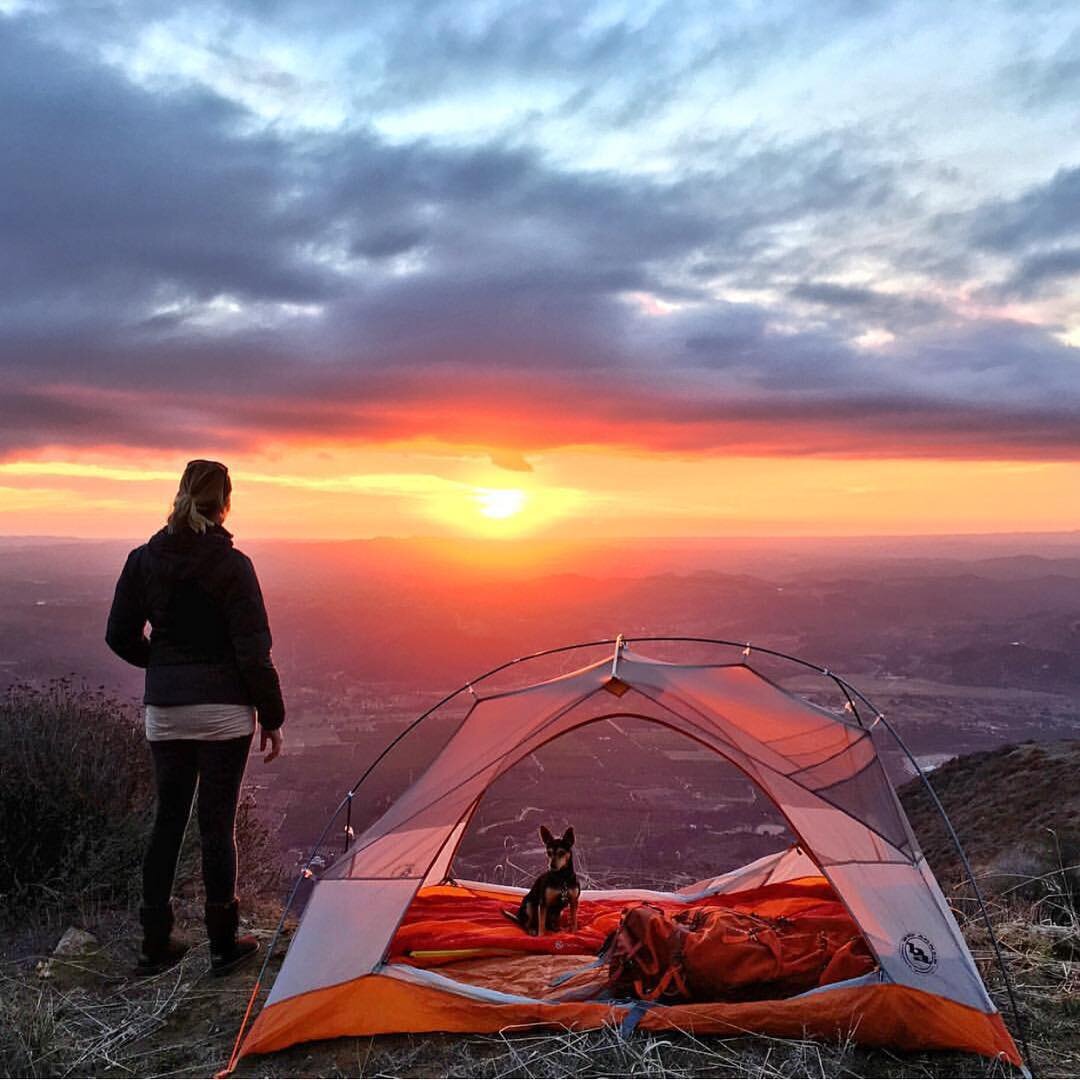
557	888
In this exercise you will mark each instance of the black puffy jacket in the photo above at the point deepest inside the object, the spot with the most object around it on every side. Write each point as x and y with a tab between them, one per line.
210	637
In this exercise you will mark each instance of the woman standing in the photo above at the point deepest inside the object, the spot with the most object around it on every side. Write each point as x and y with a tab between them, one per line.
209	678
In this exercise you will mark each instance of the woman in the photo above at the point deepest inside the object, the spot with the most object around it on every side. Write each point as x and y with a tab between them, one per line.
209	677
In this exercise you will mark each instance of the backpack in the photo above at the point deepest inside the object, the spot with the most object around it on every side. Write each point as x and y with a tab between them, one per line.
718	953
645	956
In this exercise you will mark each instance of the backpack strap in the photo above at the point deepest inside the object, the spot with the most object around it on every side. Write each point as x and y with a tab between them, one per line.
672	975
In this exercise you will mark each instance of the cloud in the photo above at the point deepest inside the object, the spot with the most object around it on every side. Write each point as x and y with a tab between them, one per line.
1042	82
1043	214
895	310
510	460
117	196
178	269
1039	232
1043	272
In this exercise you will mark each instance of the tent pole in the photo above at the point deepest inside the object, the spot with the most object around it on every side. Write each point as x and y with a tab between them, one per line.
1020	1026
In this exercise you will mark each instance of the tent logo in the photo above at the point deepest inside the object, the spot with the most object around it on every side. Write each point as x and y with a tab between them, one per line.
919	953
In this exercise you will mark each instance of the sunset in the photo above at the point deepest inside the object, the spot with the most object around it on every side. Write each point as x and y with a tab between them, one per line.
719	292
539	540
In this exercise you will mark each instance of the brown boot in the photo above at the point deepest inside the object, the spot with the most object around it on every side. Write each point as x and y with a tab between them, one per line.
160	951
227	951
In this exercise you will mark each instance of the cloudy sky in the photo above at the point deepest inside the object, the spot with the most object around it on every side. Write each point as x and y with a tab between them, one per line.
645	268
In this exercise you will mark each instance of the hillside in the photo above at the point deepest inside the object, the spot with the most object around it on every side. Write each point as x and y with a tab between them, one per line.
1011	807
85	1016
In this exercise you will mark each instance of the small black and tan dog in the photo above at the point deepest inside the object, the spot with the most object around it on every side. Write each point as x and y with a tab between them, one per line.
557	888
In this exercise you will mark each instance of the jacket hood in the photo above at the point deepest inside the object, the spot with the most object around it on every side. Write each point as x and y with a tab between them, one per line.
186	553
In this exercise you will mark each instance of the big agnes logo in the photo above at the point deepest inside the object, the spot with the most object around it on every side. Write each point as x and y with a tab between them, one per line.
919	953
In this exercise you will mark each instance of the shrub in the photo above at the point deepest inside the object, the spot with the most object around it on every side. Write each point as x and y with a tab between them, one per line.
75	797
76	802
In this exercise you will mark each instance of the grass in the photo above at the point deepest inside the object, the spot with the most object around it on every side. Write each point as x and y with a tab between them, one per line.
76	800
89	1016
1012	804
96	1020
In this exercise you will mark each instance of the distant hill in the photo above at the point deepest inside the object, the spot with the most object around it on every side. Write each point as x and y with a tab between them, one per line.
1018	664
1002	803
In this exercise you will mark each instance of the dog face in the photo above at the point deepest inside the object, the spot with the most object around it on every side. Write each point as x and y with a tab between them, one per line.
558	848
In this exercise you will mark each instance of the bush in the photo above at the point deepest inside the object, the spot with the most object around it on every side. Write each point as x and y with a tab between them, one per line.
76	795
76	802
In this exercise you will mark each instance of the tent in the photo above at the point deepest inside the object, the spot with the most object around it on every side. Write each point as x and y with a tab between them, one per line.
343	976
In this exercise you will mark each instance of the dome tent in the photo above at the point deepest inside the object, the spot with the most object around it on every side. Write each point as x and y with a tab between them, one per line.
820	768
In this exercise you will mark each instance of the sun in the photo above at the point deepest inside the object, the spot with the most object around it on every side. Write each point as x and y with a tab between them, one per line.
500	503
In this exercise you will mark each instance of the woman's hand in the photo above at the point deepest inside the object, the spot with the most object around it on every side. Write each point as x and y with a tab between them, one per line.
276	741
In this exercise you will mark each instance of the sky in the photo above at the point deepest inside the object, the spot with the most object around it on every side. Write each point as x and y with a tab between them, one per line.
561	269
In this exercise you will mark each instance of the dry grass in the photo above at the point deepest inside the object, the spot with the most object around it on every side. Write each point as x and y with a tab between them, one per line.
1041	954
94	1020
88	1018
606	1053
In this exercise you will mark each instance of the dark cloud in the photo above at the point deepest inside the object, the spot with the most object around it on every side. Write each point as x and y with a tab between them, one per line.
174	272
1005	390
1039	231
1042	272
894	311
1043	215
112	193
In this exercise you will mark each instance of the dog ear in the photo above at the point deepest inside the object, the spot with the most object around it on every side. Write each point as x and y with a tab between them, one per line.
568	837
545	835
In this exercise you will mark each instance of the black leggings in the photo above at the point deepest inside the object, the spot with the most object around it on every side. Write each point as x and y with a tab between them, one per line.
216	768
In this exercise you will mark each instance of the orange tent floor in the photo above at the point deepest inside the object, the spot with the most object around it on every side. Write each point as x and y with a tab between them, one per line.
464	934
456	917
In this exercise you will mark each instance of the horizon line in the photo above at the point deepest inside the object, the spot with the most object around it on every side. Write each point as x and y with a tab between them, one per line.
516	540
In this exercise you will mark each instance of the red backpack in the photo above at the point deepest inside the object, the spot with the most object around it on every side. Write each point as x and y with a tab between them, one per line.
718	954
645	956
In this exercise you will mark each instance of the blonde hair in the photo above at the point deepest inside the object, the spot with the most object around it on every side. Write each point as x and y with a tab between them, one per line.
205	489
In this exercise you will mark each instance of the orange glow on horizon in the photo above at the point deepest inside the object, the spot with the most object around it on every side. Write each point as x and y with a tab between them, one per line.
341	492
